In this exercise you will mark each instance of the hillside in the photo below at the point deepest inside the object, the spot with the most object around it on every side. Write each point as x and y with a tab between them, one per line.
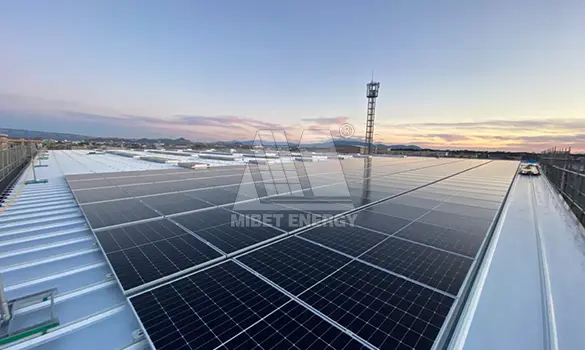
21	133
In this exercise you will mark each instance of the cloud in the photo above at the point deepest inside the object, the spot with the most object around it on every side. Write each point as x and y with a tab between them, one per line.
326	120
448	137
524	124
513	134
224	121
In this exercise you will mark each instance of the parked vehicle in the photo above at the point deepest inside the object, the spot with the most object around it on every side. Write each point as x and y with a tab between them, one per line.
530	170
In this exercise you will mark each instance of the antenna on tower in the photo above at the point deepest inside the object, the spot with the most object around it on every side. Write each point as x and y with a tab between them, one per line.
372	94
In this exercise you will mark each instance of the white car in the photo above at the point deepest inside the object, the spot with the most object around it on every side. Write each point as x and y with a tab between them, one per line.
530	170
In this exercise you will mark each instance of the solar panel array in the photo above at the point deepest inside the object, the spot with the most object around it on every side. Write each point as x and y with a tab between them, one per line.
389	277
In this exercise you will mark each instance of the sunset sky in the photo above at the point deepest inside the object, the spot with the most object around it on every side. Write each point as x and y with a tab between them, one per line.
493	74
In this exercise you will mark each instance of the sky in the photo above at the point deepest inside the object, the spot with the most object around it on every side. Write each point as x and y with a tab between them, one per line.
485	74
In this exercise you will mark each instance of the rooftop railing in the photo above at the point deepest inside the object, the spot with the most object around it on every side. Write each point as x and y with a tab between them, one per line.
12	160
567	173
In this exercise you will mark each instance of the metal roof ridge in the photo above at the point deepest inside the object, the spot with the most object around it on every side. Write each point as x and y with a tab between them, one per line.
42	261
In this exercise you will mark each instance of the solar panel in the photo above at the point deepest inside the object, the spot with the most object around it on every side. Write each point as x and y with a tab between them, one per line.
175	203
388	282
227	230
380	222
100	215
465	243
134	180
396	209
206	309
102	194
456	222
224	180
433	267
230	239
469	200
93	183
83	177
349	240
149	251
294	264
201	220
216	196
280	216
387	311
293	326
150	189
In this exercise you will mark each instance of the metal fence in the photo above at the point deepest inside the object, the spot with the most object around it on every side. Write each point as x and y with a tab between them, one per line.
567	173
12	161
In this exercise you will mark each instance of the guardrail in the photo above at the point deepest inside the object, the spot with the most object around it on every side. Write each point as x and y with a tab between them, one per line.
12	161
570	184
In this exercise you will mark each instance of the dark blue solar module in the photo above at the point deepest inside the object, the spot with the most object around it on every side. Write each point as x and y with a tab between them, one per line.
293	326
226	230
174	203
433	267
387	311
206	309
294	264
349	240
373	220
145	252
461	242
101	194
104	214
386	278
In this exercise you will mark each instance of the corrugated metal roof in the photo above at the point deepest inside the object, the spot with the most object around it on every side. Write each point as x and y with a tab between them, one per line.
45	243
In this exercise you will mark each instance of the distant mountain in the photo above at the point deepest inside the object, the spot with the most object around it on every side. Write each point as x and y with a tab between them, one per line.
20	133
338	143
25	134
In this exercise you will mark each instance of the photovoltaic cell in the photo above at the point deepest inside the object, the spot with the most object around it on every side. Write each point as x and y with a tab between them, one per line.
488	204
294	264
105	214
133	180
224	180
398	210
101	194
281	216
226	230
293	326
349	240
380	222
206	309
149	189
430	266
443	237
207	218
216	196
134	173
387	311
359	196
148	251
467	211
457	222
84	177
230	238
175	203
86	184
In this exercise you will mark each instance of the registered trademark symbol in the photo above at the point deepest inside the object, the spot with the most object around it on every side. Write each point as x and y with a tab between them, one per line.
346	130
